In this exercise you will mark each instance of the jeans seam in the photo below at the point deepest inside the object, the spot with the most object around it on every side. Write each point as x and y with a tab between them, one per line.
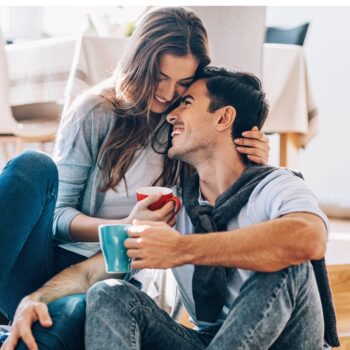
133	335
251	331
182	334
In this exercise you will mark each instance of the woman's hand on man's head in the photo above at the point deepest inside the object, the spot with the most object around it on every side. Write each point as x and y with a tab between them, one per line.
255	145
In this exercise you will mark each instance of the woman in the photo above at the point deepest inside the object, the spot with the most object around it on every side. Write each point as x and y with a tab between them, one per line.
103	153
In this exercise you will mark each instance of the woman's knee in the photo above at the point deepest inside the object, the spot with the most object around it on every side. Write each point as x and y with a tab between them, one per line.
34	164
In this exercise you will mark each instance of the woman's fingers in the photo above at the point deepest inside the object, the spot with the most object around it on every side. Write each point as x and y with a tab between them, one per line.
257	160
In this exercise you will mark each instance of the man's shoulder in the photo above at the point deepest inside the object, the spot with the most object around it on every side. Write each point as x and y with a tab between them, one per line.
280	179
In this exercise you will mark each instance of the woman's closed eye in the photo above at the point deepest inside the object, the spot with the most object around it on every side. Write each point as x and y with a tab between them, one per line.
185	84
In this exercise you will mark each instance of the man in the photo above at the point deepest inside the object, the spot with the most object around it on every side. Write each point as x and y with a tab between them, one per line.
249	287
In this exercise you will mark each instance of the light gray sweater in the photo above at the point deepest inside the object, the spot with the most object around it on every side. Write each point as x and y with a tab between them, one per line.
82	131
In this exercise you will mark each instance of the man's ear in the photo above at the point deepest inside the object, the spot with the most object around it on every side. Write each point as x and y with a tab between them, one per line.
226	118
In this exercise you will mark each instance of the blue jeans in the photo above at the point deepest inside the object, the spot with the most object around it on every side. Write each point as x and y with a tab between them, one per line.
28	259
280	310
67	331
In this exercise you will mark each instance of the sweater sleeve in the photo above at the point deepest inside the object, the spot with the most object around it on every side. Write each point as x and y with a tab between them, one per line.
81	133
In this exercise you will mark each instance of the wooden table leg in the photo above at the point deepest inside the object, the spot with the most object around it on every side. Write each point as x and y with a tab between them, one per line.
289	150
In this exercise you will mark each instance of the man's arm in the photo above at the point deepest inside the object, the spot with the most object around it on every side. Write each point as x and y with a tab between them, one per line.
73	280
268	246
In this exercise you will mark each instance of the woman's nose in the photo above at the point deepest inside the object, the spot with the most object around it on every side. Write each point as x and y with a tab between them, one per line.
169	91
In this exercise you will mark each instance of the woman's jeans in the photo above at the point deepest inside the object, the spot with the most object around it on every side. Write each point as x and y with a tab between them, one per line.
280	310
28	259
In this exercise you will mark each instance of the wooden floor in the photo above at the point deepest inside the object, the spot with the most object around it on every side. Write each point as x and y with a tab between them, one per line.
338	265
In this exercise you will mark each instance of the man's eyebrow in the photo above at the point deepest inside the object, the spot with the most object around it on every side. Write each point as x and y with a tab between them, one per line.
189	78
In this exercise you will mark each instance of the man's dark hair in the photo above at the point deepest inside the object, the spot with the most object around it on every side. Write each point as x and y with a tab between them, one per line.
240	90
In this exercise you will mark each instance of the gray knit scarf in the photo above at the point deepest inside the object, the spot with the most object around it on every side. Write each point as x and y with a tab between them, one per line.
209	283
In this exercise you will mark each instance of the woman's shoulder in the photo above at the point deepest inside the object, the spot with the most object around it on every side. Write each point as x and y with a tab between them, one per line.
89	103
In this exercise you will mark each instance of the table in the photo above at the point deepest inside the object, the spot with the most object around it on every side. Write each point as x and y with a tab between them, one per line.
293	113
60	69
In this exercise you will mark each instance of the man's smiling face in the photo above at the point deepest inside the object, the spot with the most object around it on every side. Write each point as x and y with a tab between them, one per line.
193	125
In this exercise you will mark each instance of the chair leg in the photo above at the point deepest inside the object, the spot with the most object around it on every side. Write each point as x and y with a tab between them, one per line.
5	152
42	146
19	146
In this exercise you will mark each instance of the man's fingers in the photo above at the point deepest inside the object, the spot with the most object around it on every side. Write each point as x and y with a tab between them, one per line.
134	253
27	336
11	341
131	243
43	315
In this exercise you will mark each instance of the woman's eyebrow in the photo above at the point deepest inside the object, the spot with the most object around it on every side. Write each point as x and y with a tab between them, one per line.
189	78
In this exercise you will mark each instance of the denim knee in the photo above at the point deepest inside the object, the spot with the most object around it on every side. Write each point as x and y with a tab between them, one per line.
118	291
37	164
67	331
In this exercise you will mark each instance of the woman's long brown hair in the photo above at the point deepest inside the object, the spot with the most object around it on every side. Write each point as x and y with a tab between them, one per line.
175	31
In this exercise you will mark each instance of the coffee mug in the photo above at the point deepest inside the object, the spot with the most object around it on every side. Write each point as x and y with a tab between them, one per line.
167	196
112	239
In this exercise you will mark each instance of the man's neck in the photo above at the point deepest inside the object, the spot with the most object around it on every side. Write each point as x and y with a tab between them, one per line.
218	173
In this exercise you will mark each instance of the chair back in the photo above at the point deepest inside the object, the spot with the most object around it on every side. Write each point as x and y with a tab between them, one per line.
7	121
293	36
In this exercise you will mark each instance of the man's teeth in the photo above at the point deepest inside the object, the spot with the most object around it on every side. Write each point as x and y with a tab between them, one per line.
177	132
159	99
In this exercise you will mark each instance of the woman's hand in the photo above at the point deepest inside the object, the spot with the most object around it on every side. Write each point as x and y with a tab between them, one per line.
255	145
141	211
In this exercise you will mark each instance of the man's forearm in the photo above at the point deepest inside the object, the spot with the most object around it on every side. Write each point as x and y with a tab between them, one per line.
73	280
267	247
70	281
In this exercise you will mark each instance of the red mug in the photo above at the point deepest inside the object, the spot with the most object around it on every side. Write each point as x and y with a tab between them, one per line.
167	196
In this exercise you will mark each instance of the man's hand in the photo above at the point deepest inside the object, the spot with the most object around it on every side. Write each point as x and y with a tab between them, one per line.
28	312
153	245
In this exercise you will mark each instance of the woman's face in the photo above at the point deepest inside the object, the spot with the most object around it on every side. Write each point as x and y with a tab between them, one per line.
176	74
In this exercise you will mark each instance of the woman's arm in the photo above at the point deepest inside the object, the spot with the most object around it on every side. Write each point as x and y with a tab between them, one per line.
85	228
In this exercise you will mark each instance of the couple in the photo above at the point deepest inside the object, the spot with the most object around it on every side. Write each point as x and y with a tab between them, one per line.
249	287
96	153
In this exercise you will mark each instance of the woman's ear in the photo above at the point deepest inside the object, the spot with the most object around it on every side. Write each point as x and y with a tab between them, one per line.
226	118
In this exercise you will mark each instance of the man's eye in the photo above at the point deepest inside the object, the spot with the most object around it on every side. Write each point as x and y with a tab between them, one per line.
186	102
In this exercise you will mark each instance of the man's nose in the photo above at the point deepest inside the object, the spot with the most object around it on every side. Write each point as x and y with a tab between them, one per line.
172	116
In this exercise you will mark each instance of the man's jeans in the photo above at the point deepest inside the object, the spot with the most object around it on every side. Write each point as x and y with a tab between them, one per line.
280	310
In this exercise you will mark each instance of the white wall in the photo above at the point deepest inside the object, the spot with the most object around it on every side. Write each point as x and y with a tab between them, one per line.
236	35
325	162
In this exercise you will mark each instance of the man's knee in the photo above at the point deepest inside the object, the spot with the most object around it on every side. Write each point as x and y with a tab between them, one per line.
115	291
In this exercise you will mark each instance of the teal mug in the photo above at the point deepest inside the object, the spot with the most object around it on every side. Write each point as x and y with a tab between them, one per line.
112	239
